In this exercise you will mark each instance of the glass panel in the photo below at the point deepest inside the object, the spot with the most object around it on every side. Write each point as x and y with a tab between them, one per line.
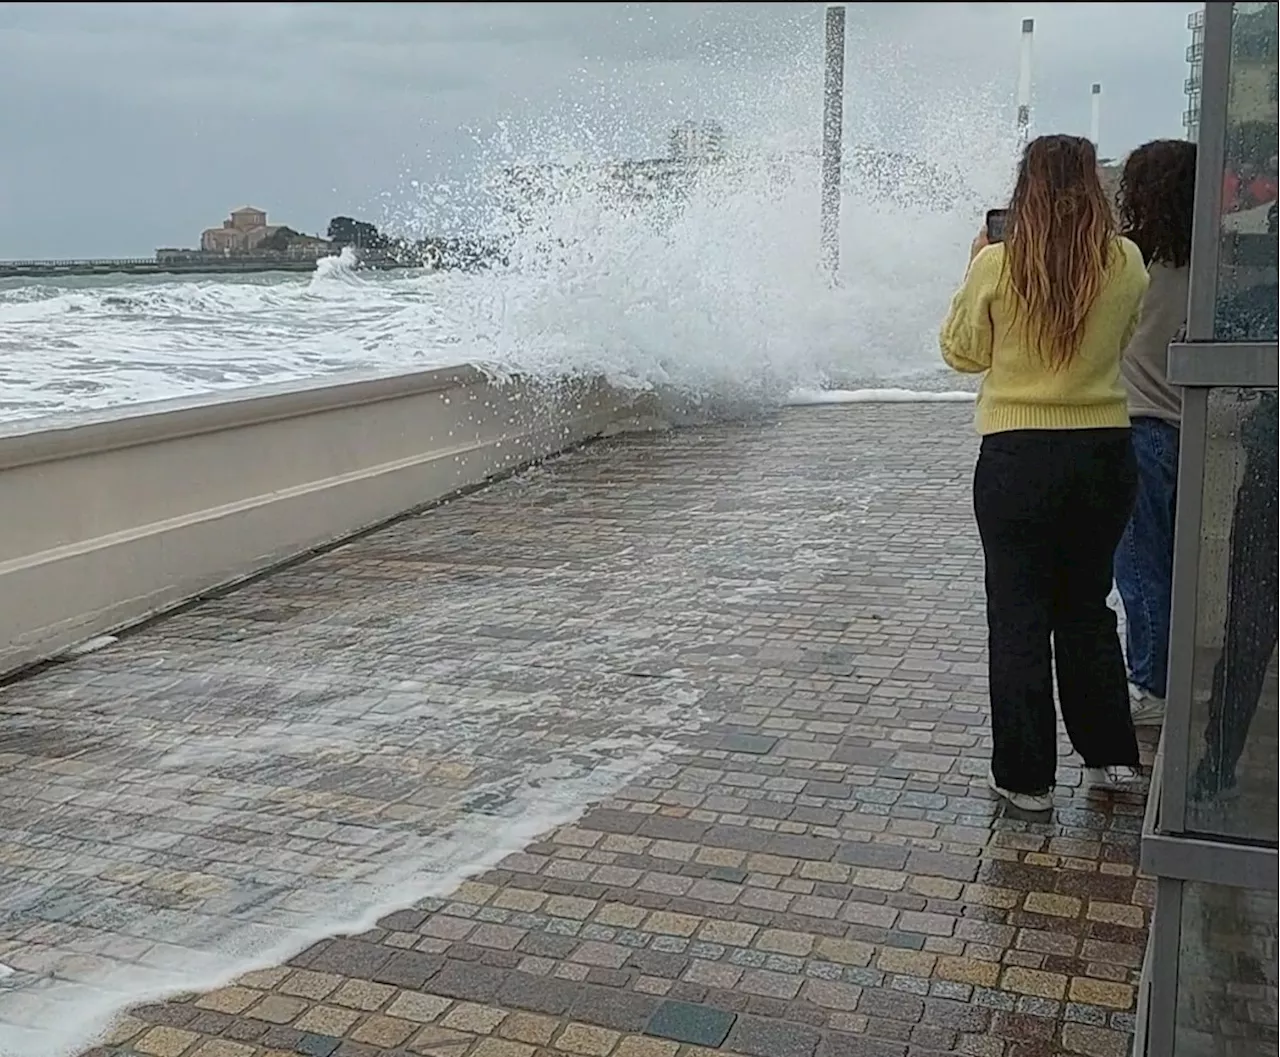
1226	973
1247	296
1234	741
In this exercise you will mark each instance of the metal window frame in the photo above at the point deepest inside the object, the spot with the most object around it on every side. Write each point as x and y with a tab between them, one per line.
1213	862
1164	951
1141	1045
1206	233
1198	369
1247	365
1157	1018
1176	739
1206	223
1204	859
1200	363
1156	1027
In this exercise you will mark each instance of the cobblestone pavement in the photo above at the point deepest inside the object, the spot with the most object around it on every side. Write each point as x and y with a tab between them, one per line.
752	652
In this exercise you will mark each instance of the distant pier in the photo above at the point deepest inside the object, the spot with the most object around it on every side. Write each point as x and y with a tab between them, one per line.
180	265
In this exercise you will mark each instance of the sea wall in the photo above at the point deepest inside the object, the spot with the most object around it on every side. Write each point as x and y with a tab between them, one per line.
111	517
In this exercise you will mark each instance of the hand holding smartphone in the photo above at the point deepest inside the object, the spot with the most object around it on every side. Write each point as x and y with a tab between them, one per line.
997	220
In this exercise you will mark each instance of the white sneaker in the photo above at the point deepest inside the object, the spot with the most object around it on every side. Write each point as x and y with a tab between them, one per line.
1023	801
1114	777
1145	709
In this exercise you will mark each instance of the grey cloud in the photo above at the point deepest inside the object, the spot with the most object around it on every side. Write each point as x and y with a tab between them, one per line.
131	125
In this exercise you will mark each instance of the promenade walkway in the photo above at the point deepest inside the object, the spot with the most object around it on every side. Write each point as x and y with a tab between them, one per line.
753	653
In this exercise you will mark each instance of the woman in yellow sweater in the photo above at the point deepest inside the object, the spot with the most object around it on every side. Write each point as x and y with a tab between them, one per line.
1044	316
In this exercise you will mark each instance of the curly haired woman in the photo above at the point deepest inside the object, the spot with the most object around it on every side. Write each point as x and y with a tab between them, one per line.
1156	200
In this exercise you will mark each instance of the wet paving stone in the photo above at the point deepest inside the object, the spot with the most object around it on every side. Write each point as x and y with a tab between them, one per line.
758	1037
316	1045
750	743
686	1022
674	745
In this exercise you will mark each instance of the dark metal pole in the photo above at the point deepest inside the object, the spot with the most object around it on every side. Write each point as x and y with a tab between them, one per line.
1024	82
832	134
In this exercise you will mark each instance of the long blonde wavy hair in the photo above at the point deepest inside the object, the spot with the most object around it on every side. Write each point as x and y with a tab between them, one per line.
1061	232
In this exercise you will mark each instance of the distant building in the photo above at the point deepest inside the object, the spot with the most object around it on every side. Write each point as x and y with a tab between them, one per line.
309	246
241	232
696	141
690	146
1253	85
1195	58
246	232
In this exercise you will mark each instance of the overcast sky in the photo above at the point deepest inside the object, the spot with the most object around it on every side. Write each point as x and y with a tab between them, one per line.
130	126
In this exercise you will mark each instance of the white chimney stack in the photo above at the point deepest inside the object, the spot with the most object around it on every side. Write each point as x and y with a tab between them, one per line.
1024	80
1095	115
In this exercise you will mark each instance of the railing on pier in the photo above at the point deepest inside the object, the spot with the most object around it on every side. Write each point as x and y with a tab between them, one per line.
192	264
105	262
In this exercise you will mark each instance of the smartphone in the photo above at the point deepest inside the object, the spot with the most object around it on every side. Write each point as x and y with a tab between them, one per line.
996	220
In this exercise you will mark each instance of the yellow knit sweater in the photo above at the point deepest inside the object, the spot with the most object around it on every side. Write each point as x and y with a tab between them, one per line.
1020	390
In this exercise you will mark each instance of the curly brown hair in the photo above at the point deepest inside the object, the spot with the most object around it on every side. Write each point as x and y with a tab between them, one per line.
1061	235
1157	198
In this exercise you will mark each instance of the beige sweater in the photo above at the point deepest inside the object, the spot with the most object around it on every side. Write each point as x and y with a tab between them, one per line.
1146	357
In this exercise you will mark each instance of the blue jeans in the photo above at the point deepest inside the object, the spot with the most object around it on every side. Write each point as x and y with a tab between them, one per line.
1144	559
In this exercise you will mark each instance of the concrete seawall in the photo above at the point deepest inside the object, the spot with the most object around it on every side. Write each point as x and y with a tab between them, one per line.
112	517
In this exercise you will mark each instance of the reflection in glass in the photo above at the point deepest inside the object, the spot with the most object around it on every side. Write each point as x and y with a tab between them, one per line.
1227	973
1247	294
1234	707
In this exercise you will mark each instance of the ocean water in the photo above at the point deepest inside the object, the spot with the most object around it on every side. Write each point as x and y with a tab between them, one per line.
716	293
92	343
95	343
